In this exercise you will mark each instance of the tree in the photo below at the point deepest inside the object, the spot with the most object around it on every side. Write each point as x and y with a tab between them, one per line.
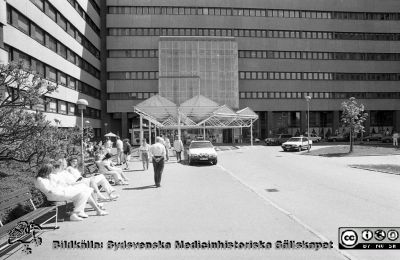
20	89
353	117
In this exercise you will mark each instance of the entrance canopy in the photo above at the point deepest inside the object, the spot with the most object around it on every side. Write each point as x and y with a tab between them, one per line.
197	112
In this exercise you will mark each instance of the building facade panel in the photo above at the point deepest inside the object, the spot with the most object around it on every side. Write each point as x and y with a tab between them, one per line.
73	16
342	5
44	22
317	86
244	22
19	40
137	64
297	65
132	86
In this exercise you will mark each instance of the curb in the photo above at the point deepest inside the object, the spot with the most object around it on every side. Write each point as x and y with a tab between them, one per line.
374	170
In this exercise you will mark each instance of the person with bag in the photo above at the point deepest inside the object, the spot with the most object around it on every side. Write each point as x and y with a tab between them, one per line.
127	148
144	152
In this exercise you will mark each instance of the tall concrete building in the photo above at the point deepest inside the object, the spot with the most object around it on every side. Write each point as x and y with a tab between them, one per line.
287	50
60	40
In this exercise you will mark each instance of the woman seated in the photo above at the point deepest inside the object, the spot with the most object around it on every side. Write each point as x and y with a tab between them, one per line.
94	181
106	167
52	184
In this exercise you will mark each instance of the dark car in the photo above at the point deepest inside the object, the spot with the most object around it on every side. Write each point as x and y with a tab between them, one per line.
278	139
338	138
373	137
387	139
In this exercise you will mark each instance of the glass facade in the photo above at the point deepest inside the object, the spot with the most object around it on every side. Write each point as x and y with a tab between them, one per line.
189	66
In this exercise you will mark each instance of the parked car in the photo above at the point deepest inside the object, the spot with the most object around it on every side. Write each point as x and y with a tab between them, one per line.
373	137
315	138
202	151
297	144
338	138
278	139
387	139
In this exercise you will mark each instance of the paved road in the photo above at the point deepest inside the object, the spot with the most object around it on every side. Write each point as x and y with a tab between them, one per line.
321	193
194	203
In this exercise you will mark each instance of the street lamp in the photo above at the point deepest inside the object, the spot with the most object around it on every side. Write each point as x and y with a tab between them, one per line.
82	104
308	99
105	126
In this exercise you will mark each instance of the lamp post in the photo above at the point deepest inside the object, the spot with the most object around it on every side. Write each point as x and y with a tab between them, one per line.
308	99
105	126
82	104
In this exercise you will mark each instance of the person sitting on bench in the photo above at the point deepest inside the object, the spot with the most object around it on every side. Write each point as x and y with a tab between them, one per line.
93	181
106	167
55	189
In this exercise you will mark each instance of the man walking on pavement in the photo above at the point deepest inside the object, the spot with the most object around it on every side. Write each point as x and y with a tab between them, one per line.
158	153
119	144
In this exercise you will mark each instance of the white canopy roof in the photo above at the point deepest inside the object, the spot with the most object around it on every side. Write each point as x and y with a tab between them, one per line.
197	112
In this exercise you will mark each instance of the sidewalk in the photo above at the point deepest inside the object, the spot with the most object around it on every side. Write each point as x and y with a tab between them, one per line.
194	203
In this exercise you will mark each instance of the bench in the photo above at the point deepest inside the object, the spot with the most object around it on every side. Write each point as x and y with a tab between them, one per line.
13	199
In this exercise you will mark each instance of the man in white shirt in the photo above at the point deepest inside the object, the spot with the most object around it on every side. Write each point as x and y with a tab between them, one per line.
158	152
395	139
178	147
119	144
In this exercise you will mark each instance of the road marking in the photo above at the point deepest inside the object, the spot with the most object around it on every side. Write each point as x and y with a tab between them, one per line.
290	215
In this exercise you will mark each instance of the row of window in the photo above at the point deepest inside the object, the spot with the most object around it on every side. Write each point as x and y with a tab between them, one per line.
59	19
52	105
131	95
140	75
319	95
313	55
256	12
83	14
51	73
35	32
263	75
308	55
253	33
134	53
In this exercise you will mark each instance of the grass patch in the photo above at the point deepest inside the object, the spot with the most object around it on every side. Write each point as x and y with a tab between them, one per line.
358	150
386	168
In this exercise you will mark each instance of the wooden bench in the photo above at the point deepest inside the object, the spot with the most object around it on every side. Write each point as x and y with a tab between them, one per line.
13	199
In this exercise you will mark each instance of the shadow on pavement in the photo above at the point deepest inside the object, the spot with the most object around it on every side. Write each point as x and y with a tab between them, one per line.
133	170
142	188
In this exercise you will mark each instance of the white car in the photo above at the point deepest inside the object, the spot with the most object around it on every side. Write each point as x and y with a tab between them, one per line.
296	143
202	151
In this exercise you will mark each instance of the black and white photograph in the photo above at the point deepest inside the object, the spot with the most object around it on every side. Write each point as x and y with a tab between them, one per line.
200	129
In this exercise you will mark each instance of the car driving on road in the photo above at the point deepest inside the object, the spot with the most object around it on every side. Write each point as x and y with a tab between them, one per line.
202	151
296	144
